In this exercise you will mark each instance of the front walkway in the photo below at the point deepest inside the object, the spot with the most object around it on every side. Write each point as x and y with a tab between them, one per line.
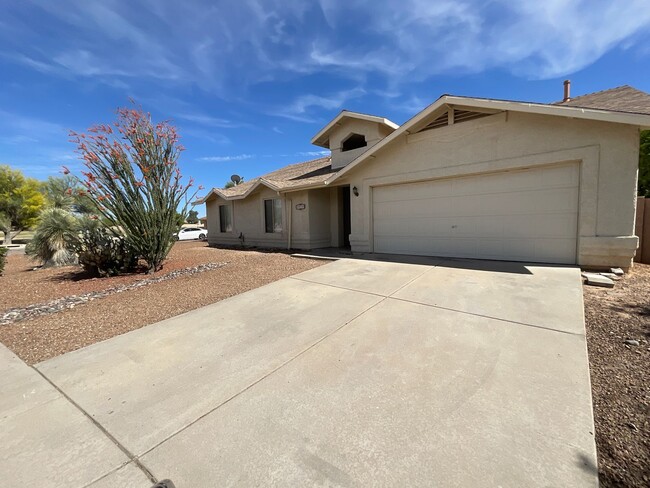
357	373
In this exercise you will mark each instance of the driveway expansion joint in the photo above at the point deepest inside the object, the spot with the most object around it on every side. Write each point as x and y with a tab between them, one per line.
430	268
132	457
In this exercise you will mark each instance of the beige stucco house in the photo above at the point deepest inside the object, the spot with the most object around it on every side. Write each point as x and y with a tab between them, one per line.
465	177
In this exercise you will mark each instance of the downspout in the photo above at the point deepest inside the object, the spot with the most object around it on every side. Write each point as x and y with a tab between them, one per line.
289	223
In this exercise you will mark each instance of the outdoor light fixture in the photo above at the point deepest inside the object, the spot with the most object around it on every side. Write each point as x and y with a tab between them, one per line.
355	190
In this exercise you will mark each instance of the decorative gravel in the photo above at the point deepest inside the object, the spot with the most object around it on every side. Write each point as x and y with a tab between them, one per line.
618	339
22	313
45	336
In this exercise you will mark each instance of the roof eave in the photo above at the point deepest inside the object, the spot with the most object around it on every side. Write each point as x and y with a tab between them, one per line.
640	120
250	190
321	139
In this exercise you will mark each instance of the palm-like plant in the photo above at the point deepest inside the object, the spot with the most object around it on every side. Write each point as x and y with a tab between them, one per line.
54	238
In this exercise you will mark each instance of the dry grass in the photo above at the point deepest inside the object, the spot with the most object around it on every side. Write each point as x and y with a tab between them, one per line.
44	337
620	377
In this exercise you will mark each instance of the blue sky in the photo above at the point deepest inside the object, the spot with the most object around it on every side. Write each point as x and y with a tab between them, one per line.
249	82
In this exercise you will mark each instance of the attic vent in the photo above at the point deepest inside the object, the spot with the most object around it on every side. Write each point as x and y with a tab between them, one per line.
465	115
439	122
458	117
353	141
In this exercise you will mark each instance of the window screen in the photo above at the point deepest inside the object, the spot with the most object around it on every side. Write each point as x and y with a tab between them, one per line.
225	218
273	215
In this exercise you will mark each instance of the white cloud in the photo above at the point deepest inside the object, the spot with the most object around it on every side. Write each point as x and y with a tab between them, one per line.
237	157
313	153
226	48
300	108
203	119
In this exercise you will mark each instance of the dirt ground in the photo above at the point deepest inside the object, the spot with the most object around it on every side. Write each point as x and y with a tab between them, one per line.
44	337
620	377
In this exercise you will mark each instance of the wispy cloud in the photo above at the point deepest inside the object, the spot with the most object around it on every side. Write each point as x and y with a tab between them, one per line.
301	107
206	135
228	47
236	157
313	153
203	119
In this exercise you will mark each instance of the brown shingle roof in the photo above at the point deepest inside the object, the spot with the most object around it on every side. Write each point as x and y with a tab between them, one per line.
620	99
307	173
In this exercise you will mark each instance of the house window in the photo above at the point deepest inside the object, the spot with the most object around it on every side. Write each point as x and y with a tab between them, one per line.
353	141
273	215
225	218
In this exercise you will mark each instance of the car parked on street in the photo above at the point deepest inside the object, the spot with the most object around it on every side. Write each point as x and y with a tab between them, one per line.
190	233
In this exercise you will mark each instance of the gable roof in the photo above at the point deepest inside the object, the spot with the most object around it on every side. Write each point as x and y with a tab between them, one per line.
322	137
599	110
308	174
620	99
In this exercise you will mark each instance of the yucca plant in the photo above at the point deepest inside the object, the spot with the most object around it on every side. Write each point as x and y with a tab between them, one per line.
133	178
3	259
54	238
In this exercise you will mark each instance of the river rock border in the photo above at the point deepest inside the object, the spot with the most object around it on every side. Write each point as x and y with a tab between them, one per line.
18	314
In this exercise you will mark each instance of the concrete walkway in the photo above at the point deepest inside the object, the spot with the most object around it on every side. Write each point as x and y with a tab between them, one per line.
357	373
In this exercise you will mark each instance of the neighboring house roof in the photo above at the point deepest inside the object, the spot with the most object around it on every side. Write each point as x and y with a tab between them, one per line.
620	99
322	138
308	174
600	109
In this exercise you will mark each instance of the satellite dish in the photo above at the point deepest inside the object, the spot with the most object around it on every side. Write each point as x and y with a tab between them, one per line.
235	179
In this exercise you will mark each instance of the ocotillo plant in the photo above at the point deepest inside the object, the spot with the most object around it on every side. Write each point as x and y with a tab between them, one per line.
133	177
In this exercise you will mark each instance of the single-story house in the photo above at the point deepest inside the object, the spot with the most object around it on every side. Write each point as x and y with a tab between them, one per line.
465	177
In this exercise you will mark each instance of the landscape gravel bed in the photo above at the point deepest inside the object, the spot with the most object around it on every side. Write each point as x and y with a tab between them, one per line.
26	284
57	305
618	333
46	336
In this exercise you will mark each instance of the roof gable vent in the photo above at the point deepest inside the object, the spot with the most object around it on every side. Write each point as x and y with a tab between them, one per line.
453	116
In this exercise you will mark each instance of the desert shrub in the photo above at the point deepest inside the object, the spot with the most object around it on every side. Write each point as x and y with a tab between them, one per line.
101	251
54	238
3	259
134	181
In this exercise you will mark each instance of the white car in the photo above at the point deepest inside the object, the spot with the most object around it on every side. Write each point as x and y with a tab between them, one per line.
189	233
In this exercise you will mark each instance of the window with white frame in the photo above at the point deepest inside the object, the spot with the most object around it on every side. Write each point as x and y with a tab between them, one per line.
273	215
225	218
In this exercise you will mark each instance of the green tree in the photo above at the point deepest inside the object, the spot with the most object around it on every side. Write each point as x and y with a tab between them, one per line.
193	217
230	184
133	179
20	202
644	165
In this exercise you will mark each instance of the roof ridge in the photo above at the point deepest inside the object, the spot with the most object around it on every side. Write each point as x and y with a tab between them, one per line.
296	164
600	92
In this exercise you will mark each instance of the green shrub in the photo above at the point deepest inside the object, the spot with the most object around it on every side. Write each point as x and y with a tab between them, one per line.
54	238
101	252
3	259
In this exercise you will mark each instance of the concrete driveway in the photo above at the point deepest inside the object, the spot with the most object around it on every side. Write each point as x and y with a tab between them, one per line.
357	373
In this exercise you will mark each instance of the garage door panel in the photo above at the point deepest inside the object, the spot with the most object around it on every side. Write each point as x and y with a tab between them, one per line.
414	192
560	176
555	250
522	215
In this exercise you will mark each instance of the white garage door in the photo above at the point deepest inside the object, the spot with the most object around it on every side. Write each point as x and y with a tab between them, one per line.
525	215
